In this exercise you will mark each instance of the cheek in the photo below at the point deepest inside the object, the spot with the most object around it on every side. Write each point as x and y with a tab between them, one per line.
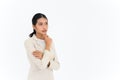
47	28
38	29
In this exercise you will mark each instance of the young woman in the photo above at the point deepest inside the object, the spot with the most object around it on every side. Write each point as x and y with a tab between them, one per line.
40	50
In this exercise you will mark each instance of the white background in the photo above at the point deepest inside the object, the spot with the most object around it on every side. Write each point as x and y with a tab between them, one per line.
86	35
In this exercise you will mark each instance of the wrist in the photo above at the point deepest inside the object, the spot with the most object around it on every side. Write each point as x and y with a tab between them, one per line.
47	48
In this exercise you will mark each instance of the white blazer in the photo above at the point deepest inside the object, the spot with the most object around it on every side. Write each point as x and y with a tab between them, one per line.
39	69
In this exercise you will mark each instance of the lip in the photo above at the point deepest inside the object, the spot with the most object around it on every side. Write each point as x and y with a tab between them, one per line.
44	31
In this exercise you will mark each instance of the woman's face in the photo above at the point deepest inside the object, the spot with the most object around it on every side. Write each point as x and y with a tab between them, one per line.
41	26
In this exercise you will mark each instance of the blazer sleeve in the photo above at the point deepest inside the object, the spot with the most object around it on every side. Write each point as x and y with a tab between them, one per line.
41	63
54	63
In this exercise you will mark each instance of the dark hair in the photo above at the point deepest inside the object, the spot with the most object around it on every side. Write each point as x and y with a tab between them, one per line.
34	21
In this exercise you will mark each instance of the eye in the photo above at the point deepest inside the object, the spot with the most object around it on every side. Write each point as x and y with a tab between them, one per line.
40	24
46	23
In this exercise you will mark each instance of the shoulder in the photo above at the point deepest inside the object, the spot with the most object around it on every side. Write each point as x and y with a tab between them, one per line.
28	41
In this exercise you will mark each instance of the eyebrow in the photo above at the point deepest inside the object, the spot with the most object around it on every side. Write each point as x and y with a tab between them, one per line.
43	22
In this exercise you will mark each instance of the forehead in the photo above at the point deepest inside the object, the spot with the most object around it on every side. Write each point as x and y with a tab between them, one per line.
42	20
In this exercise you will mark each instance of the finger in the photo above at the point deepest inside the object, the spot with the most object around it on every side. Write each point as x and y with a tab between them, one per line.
37	57
37	51
46	36
34	53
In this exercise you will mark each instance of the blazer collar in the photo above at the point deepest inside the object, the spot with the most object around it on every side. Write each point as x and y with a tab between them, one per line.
35	38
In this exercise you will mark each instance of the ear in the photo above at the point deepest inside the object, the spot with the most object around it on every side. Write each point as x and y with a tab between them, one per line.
33	26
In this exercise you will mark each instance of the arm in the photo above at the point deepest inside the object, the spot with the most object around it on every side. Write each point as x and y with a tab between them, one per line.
42	64
54	63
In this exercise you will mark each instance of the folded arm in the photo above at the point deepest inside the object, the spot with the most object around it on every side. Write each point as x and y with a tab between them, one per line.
41	63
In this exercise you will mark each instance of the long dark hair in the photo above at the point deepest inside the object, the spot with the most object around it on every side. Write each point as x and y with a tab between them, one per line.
34	21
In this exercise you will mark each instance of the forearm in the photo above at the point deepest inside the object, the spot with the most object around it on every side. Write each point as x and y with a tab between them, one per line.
47	47
46	58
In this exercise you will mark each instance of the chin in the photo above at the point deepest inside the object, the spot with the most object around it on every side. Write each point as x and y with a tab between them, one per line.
44	33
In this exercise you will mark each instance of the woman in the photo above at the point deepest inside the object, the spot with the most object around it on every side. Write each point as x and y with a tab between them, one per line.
40	50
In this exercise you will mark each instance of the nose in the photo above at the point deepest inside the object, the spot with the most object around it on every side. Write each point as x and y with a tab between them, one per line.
45	27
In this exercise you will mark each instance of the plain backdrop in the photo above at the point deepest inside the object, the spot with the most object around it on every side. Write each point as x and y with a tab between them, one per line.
86	34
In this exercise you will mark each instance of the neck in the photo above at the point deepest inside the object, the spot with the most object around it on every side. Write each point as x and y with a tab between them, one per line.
39	36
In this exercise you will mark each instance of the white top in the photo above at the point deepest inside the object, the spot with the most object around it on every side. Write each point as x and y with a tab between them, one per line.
39	69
